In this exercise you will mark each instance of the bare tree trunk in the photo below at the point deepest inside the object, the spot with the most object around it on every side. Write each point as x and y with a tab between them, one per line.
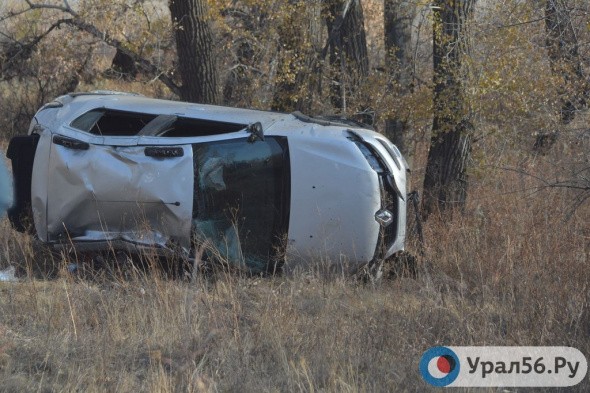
196	58
564	57
398	16
445	182
348	48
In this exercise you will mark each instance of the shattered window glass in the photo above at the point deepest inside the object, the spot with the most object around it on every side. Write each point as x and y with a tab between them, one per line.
87	120
112	123
185	126
240	198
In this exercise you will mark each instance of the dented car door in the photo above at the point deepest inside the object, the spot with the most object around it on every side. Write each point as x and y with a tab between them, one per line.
110	189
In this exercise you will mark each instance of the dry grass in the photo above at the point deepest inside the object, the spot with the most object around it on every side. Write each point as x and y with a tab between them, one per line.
511	271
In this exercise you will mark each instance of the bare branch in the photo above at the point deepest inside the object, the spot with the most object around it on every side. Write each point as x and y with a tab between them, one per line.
65	8
67	4
335	29
12	14
579	184
526	22
142	63
26	47
81	25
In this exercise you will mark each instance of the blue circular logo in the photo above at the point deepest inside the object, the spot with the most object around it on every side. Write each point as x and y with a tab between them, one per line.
439	366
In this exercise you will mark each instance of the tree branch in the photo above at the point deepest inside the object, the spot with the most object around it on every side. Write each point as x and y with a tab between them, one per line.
65	8
81	25
335	29
142	63
26	47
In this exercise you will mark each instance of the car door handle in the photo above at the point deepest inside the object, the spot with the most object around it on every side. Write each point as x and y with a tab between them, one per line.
164	152
70	143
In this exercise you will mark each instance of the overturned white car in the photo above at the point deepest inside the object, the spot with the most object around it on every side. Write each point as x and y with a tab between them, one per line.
108	170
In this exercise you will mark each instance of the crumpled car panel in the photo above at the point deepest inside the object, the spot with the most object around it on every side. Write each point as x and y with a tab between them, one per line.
116	192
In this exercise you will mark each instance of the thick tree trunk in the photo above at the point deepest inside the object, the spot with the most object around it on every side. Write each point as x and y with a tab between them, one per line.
445	182
348	48
194	43
398	17
564	57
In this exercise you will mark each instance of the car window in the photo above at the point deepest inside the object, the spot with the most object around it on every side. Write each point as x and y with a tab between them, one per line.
109	122
185	126
87	120
240	198
112	123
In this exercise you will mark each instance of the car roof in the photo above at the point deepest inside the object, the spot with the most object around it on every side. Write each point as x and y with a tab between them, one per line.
80	103
73	105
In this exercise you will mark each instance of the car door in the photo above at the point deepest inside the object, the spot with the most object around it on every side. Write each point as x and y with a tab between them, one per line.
105	188
242	200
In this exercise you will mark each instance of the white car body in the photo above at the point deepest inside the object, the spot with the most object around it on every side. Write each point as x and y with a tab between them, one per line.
337	189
